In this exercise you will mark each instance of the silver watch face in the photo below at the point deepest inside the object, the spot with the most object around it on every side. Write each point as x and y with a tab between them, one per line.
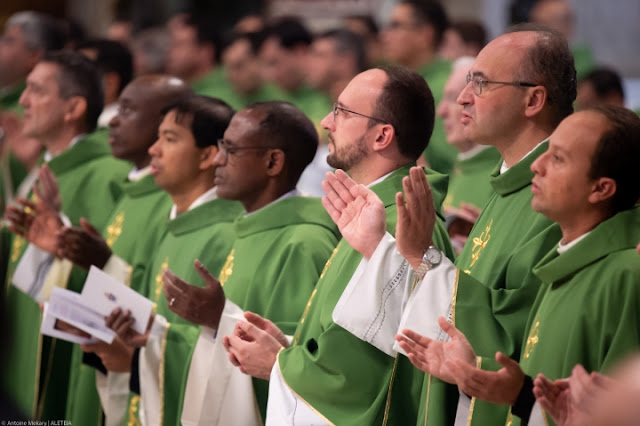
433	256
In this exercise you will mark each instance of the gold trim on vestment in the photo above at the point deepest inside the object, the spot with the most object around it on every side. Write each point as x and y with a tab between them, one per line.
134	406
161	371
387	405
296	394
473	400
454	298
426	405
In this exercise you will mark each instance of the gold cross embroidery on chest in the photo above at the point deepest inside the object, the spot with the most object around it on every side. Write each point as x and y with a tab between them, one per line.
479	243
115	229
534	337
159	284
227	268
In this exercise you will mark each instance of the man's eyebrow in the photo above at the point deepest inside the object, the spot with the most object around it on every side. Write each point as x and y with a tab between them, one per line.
479	74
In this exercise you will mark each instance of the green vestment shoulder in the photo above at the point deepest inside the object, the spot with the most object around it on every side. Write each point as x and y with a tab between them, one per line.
135	227
204	233
344	379
469	181
496	286
88	177
588	309
216	85
440	155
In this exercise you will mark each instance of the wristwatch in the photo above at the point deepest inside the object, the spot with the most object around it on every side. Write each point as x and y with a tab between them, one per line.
431	258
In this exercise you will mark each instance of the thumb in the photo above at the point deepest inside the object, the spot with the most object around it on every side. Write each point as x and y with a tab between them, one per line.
507	362
88	227
205	274
449	328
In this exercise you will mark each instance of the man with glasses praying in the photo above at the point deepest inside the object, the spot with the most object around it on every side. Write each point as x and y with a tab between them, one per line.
379	126
520	87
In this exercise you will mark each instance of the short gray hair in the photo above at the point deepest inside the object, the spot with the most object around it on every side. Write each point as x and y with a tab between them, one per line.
40	31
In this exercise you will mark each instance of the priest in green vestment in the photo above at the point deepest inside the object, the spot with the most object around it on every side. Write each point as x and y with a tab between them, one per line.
588	183
469	186
62	101
195	56
328	375
282	243
412	39
122	248
489	290
199	222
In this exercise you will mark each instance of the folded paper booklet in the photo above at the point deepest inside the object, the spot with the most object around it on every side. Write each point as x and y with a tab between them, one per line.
103	294
66	308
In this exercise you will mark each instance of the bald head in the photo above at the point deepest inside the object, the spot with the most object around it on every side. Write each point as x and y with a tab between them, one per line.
141	103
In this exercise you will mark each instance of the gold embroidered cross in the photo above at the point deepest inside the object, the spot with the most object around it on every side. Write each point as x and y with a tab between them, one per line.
115	229
532	340
480	243
159	283
227	269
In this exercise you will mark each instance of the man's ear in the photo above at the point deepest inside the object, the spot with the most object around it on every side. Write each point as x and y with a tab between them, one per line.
536	100
207	155
275	160
76	108
385	135
603	190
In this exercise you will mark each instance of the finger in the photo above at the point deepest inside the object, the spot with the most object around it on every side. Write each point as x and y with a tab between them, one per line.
251	330
342	185
417	338
205	274
329	207
403	215
255	319
112	317
511	365
176	284
421	191
344	178
27	204
88	227
330	189
450	329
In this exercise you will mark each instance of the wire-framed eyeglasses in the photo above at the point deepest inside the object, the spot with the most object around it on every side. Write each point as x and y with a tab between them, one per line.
337	108
478	83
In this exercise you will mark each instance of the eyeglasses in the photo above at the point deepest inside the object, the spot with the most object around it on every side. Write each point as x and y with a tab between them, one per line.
479	83
226	150
337	108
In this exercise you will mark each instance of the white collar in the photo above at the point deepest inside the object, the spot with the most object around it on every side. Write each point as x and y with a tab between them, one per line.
504	166
563	247
48	156
380	179
136	174
210	195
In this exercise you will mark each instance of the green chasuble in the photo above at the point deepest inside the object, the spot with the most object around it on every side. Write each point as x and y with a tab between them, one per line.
204	233
496	287
216	85
439	154
133	230
344	379
469	180
88	177
271	270
588	309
